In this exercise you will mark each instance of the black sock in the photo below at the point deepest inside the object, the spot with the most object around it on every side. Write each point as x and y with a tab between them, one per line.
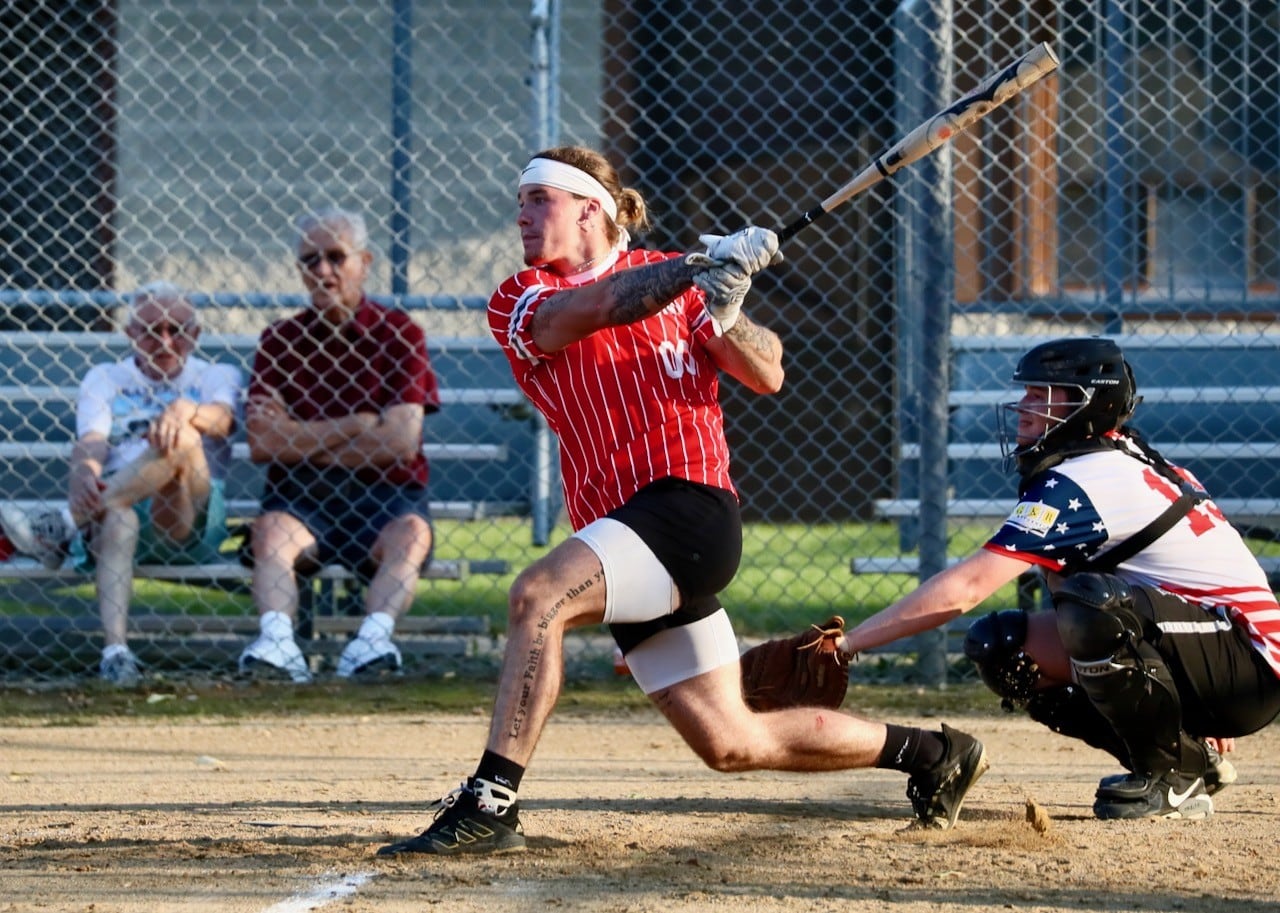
909	749
497	769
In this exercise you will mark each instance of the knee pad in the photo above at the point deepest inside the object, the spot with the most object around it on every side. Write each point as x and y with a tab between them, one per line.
994	644
1125	678
1095	615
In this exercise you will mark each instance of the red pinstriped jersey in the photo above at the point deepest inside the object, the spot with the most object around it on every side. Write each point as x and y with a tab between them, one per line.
1088	504
630	404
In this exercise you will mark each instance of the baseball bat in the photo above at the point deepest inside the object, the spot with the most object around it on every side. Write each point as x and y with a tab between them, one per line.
958	117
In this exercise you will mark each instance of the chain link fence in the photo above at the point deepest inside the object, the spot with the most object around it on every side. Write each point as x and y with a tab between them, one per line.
1131	193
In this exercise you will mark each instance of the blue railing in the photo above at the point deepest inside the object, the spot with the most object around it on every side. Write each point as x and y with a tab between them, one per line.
38	298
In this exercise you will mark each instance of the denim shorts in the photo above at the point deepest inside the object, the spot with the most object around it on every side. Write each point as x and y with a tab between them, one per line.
344	514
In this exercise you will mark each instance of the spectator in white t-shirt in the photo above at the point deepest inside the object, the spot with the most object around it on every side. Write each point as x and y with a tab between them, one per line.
147	468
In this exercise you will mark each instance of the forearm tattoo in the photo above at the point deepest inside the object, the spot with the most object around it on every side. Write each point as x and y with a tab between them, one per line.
644	291
752	337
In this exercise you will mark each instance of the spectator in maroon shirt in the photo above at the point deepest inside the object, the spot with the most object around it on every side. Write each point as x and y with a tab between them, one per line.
335	410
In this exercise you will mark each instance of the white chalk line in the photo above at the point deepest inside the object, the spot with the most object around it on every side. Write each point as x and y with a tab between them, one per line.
323	894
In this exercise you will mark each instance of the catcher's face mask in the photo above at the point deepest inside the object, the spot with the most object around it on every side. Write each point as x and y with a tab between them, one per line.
1028	423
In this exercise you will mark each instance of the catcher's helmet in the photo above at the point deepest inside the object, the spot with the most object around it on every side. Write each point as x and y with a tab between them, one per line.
1092	375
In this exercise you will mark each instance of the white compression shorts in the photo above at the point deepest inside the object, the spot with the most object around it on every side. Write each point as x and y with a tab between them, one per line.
636	585
638	588
674	655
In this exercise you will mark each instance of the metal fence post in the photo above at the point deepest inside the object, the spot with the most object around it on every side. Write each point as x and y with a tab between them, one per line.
1118	234
922	91
544	49
401	144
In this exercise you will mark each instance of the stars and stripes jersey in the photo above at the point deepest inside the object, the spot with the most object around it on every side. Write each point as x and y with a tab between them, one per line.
630	404
1087	504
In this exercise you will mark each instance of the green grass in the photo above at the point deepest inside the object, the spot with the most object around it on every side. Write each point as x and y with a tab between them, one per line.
788	572
791	574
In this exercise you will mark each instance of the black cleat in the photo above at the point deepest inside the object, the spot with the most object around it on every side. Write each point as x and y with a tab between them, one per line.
1171	795
461	827
1220	774
938	793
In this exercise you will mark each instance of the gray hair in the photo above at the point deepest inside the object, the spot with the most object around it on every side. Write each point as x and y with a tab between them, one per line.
333	218
159	291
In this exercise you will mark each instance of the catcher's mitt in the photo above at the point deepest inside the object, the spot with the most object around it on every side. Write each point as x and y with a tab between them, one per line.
808	670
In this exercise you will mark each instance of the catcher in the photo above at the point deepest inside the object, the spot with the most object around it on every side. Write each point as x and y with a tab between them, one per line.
1163	644
622	351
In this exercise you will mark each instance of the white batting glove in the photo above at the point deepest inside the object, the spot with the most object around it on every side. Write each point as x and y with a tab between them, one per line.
725	287
751	248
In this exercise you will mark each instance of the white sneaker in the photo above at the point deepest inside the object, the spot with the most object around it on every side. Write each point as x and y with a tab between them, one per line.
120	668
275	656
45	536
363	656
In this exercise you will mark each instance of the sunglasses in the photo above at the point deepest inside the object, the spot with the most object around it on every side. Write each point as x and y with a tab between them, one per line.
173	330
311	261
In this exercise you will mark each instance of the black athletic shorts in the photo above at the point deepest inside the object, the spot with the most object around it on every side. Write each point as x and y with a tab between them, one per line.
1226	687
696	533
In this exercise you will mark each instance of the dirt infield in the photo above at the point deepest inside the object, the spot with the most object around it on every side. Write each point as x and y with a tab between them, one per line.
283	815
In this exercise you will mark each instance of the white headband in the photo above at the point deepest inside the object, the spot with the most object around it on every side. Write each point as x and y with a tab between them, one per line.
551	173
